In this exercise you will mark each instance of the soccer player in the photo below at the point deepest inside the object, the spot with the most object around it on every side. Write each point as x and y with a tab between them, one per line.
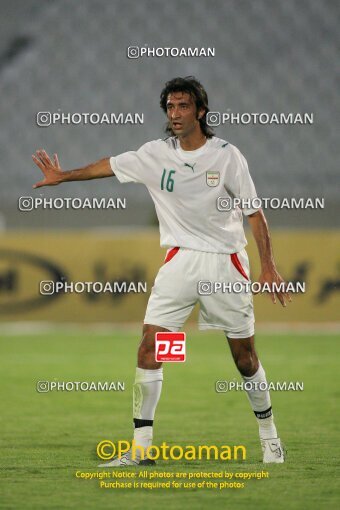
185	174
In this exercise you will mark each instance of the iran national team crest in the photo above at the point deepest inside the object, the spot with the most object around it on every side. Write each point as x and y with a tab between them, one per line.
213	179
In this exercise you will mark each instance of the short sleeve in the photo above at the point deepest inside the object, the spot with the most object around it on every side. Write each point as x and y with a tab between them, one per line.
133	166
239	182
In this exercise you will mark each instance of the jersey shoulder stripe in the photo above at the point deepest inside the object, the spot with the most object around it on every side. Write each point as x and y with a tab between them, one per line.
219	143
170	141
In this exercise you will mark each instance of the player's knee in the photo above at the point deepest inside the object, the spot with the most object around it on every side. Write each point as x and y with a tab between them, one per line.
147	344
146	350
247	365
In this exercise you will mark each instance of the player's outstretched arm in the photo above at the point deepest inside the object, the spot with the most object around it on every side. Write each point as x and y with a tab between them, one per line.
269	273
53	173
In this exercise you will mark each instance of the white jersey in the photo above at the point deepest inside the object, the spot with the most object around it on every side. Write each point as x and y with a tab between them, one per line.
185	187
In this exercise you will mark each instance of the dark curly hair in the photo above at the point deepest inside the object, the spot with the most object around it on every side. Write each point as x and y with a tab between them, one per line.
193	87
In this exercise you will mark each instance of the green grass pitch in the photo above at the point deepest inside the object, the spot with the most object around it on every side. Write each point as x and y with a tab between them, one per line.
47	437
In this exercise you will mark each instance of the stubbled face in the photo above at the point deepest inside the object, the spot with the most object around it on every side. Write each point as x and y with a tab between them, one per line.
181	112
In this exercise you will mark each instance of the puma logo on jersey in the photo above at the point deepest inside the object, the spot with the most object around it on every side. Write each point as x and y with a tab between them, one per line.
190	166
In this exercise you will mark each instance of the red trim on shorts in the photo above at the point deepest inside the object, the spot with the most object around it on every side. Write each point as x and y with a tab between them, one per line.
171	253
236	262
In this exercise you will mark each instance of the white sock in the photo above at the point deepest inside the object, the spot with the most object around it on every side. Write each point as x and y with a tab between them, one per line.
146	392
143	436
261	404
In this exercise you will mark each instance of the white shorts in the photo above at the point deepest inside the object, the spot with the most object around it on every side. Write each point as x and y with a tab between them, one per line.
177	289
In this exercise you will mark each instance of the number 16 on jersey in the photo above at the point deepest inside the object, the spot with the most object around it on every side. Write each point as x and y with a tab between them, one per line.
168	180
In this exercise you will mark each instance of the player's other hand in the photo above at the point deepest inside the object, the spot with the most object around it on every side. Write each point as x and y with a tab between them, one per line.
51	169
271	276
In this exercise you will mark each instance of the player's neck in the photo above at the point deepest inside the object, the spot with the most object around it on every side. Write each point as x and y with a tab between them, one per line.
192	141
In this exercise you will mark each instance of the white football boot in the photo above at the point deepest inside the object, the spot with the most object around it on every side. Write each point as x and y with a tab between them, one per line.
127	460
272	451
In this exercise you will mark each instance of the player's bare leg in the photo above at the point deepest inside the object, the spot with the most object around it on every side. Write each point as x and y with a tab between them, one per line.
146	350
249	366
244	354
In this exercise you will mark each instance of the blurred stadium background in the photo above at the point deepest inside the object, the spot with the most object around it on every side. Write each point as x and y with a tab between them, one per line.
71	57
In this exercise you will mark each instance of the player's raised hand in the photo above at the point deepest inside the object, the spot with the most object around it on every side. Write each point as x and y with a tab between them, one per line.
51	169
270	277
